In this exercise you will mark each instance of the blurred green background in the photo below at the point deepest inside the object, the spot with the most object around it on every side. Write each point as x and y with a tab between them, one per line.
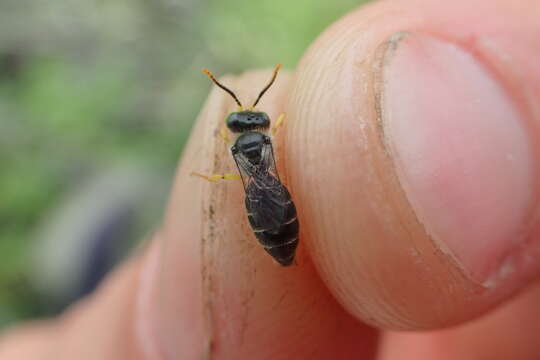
95	95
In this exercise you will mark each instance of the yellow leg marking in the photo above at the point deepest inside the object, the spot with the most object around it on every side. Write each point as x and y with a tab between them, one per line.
216	177
278	124
224	133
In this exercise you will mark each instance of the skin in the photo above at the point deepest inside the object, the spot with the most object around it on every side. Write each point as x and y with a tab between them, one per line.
375	256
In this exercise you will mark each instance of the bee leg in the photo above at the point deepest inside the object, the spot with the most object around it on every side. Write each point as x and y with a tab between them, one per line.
277	124
216	177
224	133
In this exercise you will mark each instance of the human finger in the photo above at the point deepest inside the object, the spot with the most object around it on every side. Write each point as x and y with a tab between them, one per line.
216	292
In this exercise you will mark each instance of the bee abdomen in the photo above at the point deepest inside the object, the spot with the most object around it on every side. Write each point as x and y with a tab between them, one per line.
281	245
279	241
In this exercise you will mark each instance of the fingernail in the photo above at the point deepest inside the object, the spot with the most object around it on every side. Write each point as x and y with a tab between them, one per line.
460	149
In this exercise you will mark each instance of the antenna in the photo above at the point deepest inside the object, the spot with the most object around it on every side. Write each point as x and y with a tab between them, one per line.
276	69
211	76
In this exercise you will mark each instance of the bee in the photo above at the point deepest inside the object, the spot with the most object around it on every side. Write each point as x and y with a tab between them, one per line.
269	207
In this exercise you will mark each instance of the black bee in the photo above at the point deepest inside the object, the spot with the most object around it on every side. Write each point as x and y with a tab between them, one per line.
270	210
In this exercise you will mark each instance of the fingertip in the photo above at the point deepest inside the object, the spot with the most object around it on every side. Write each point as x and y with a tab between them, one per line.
218	293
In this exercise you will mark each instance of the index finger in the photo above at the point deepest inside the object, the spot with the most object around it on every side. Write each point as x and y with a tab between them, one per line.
219	294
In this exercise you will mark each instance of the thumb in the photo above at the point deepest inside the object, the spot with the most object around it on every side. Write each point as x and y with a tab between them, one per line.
423	199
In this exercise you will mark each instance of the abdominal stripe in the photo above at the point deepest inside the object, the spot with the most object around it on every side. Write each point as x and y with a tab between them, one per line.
292	241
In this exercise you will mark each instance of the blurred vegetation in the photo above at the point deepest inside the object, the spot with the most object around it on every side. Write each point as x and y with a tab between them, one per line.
90	83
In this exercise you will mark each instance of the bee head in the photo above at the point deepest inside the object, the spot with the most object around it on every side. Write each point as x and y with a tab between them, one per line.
246	120
242	121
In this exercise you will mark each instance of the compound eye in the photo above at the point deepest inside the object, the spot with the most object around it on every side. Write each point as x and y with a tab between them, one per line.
265	120
233	122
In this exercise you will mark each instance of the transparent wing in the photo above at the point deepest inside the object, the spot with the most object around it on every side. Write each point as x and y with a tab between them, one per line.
258	173
246	169
269	203
267	200
269	160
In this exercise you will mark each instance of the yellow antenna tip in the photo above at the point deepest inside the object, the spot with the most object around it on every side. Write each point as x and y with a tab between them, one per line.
208	73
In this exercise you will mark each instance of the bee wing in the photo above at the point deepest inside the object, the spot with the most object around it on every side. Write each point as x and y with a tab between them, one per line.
259	172
269	202
266	198
247	169
268	159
